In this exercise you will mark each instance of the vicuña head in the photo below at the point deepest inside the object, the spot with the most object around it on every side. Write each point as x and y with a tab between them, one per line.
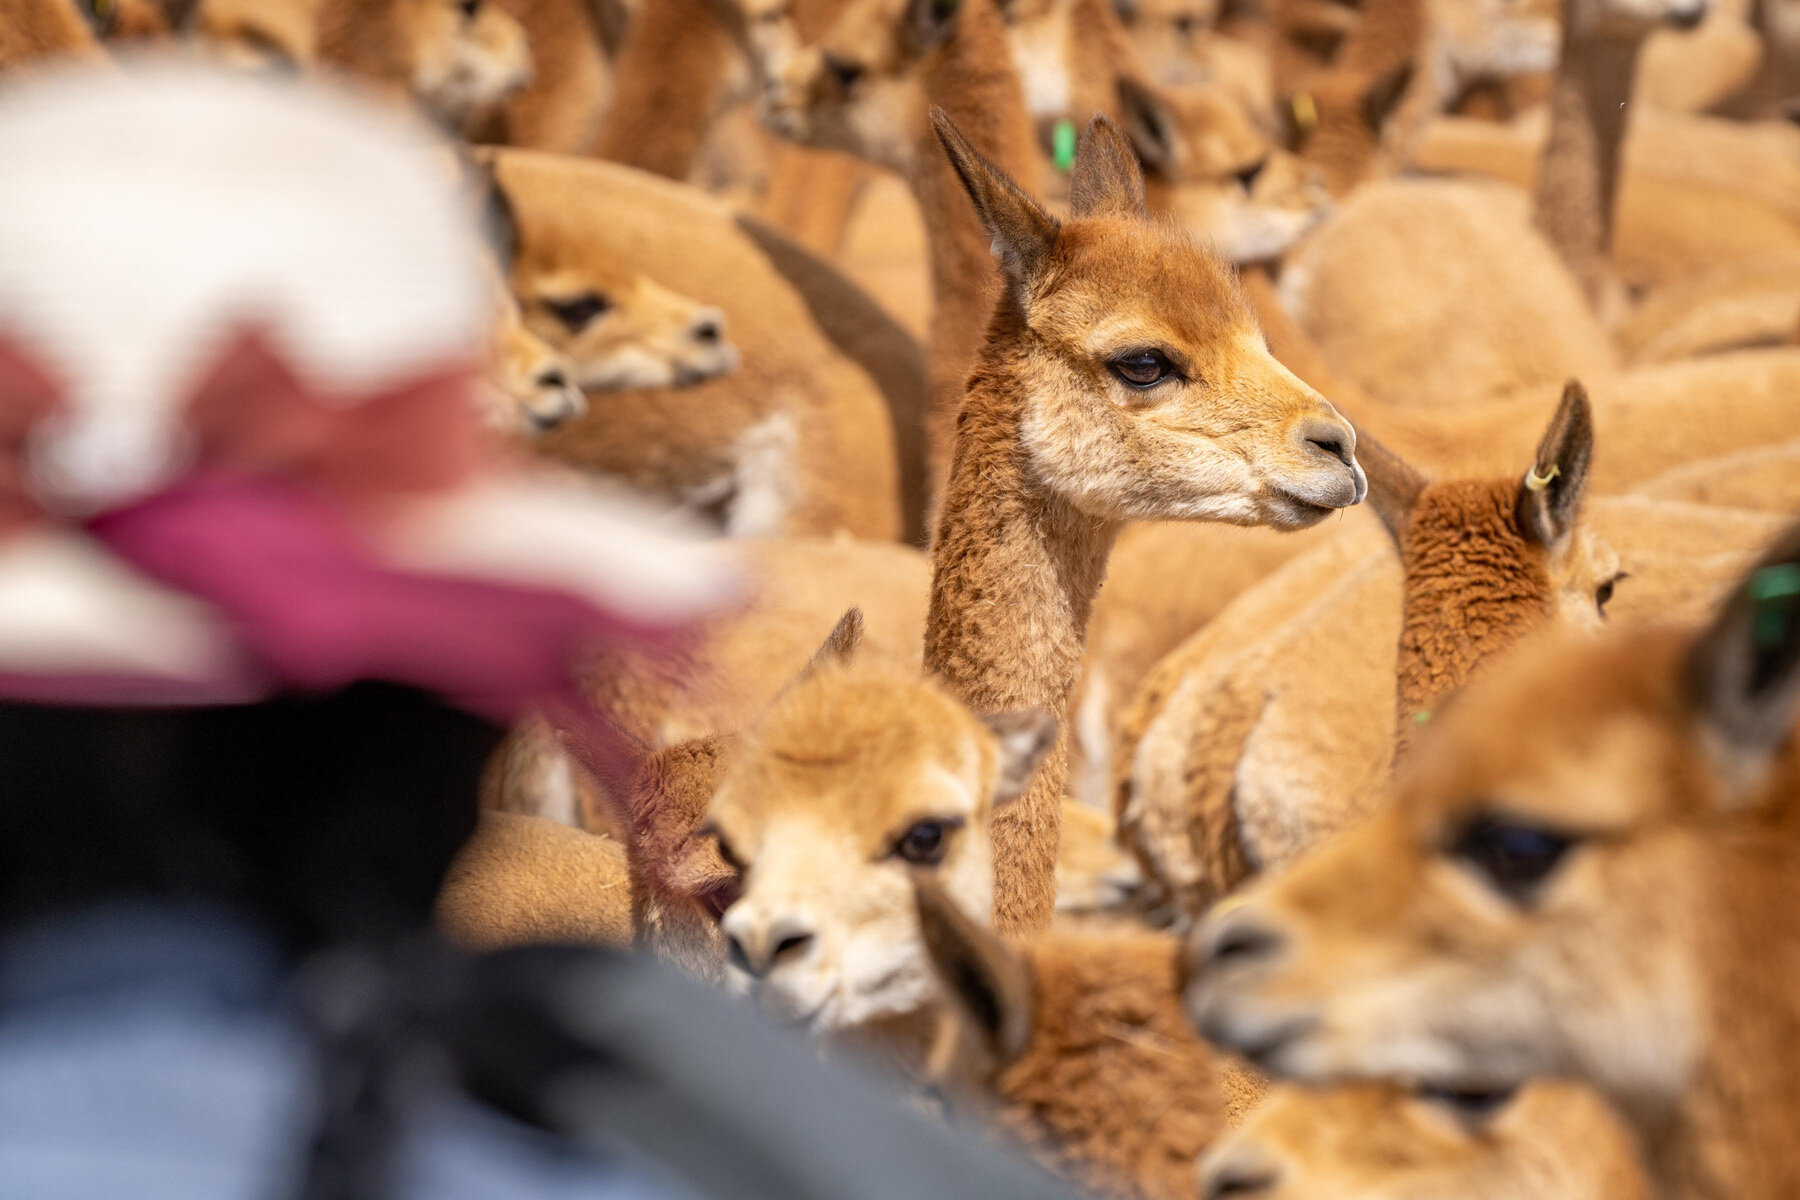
460	58
1587	872
617	327
860	774
1213	168
859	87
1144	388
530	384
1074	1045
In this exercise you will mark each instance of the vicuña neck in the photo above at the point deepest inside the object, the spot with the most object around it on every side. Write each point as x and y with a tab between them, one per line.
1017	569
973	79
1578	177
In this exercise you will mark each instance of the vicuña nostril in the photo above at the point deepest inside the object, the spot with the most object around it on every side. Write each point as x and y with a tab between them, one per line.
1233	1181
792	945
1242	942
734	950
552	378
1333	439
843	70
708	331
1247	175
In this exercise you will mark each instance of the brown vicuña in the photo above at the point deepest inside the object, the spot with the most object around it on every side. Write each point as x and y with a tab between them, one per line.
1123	378
1587	872
1076	1047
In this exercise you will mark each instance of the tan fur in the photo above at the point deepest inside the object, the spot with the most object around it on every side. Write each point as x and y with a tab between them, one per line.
260	32
812	194
797	590
1198	166
1075	1047
1383	1142
459	67
526	879
884	117
666	87
531	385
571	80
1484	306
1170	35
1053	455
1651	419
1302	671
1698	194
1750	303
796	440
1700	69
46	28
679	884
1114	1088
815	808
648	336
1758	478
1094	874
1652	958
892	356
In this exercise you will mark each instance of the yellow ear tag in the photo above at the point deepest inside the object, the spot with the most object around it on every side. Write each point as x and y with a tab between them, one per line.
1306	111
1537	483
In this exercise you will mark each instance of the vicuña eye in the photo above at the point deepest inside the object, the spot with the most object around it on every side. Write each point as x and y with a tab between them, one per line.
1604	593
1142	368
1473	1108
925	843
1515	857
578	312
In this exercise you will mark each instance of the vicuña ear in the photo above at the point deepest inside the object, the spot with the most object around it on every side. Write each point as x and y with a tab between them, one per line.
493	208
1394	486
1025	737
1022	233
1150	125
931	23
1550	495
1743	673
1106	180
1383	95
987	979
839	646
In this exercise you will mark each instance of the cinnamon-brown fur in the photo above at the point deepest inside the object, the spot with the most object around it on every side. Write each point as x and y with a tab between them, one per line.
460	65
1584	874
527	879
35	29
666	85
571	80
1075	1047
1053	453
906	62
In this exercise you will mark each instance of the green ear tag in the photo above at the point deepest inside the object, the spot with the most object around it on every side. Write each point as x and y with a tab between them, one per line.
1423	716
1773	591
1062	145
